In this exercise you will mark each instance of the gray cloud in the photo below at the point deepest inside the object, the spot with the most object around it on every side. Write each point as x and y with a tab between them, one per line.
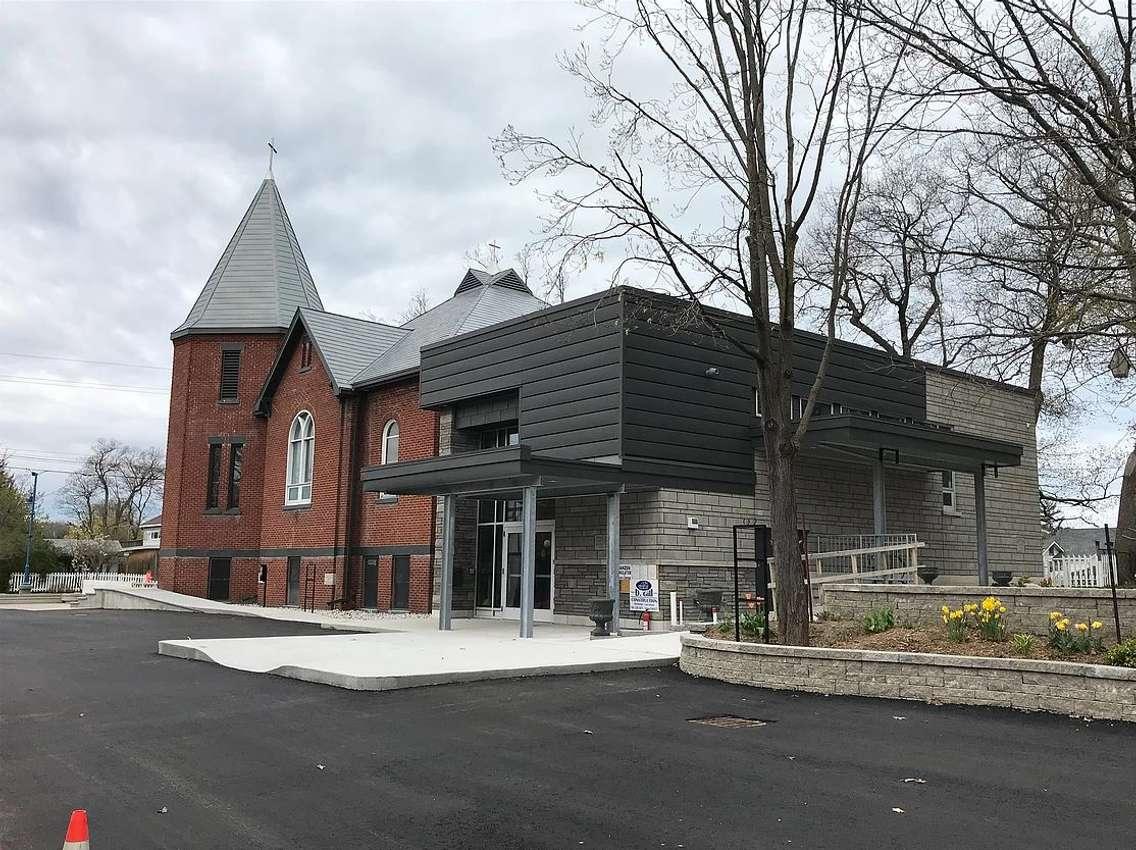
133	138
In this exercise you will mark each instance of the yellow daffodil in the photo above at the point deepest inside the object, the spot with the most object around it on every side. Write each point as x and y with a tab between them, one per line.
1082	627
1097	624
1061	624
1054	616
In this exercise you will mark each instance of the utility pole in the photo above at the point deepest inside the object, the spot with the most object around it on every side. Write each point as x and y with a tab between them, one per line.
26	584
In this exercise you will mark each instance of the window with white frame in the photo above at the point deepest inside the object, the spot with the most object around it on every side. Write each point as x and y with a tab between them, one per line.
390	443
950	497
301	456
389	454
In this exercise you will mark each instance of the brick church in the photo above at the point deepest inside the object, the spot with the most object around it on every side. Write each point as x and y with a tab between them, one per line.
276	407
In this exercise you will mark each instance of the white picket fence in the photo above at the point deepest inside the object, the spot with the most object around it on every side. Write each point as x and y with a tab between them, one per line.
1077	571
73	582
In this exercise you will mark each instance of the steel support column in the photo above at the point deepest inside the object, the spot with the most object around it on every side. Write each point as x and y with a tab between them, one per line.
879	497
613	558
528	560
980	525
446	600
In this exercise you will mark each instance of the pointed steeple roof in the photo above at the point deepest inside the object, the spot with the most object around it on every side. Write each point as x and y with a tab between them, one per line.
261	278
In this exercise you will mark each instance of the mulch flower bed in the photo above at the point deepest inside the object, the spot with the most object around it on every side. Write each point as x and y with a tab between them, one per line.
847	634
975	629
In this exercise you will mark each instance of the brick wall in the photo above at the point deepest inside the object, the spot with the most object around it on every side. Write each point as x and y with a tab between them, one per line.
196	415
340	518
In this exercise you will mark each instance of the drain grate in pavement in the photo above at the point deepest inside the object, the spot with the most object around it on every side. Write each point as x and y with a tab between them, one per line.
729	721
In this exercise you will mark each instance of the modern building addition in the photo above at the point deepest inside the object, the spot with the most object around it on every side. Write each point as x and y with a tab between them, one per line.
594	430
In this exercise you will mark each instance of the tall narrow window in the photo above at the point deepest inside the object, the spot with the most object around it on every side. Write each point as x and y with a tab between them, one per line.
305	354
301	456
389	454
230	374
213	482
235	459
390	443
949	495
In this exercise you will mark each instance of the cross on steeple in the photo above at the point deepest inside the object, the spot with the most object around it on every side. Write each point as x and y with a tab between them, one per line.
271	153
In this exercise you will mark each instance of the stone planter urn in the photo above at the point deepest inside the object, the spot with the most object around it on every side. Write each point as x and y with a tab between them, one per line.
927	575
706	601
601	615
1001	578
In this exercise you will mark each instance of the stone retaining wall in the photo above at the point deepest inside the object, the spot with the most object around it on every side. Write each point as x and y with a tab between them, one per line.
1027	608
1083	690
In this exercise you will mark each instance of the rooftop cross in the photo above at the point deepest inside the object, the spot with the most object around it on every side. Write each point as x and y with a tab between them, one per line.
271	153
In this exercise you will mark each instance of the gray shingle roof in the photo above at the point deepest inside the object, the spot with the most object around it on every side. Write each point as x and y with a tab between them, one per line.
262	276
1077	541
489	299
156	519
348	344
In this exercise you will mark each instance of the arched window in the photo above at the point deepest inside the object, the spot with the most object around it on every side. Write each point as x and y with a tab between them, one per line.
301	455
390	443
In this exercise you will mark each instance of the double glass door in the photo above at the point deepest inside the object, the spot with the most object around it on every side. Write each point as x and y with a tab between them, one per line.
511	570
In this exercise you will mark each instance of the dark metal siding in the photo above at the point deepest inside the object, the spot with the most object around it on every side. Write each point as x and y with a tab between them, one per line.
565	361
678	421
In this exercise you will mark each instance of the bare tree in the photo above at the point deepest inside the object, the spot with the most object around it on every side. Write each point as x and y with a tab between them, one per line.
419	304
116	485
902	261
1063	71
709	184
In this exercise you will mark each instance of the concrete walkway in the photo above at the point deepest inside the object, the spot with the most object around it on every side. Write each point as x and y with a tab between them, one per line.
398	651
416	656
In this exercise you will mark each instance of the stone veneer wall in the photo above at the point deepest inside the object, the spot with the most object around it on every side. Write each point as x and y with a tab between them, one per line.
1027	608
1083	690
1014	534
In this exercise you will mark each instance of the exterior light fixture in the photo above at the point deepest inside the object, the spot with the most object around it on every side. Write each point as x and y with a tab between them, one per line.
1119	365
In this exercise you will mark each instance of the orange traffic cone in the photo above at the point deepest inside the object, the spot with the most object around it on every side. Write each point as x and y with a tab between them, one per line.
78	836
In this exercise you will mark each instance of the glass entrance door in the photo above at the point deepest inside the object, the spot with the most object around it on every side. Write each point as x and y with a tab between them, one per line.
545	585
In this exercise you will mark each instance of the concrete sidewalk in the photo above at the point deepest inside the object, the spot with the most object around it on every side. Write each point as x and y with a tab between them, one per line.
154	599
422	655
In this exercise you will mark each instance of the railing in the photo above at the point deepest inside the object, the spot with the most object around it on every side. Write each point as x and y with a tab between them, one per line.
73	582
1077	571
861	558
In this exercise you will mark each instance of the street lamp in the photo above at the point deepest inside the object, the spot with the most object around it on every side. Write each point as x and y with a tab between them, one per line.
26	584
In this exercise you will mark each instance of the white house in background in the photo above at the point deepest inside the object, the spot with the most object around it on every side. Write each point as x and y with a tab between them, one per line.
1075	557
142	554
152	532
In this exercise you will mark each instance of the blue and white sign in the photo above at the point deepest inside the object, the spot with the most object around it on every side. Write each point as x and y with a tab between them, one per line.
644	588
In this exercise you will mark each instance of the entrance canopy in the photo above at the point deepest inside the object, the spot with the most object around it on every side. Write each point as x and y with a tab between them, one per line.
494	471
909	444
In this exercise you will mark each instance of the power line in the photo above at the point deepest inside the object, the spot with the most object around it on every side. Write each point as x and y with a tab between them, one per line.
42	471
57	382
83	360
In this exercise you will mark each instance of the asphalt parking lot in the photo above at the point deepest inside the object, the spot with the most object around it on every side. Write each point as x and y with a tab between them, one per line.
165	753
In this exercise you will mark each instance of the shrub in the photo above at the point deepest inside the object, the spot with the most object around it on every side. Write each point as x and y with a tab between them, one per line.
879	620
1022	643
1123	654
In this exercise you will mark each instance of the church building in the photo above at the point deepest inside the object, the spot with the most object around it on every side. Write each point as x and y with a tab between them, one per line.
276	406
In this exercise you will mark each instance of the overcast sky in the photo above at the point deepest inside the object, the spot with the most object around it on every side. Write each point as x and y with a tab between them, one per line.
133	137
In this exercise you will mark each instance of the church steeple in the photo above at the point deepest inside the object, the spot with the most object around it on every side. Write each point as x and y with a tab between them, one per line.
261	278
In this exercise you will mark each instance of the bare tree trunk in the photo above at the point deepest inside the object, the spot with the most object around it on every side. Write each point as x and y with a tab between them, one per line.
791	593
1126	525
